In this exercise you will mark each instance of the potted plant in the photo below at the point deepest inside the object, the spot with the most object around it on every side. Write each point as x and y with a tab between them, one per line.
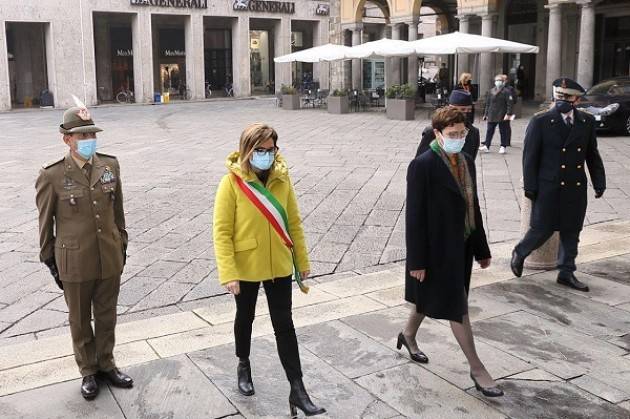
401	102
338	101
290	97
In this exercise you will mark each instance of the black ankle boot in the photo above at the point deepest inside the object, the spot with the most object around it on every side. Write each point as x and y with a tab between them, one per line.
244	374
299	399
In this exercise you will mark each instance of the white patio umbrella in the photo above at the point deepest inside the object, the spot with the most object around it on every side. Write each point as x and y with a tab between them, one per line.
466	43
328	52
383	48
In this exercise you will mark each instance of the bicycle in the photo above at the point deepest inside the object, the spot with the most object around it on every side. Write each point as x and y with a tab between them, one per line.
125	96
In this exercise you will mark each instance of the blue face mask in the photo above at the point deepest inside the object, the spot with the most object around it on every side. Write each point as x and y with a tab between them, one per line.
453	146
86	148
262	161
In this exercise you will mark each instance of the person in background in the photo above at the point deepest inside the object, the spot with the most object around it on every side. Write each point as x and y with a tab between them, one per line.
465	83
259	239
498	111
509	85
460	100
443	77
444	233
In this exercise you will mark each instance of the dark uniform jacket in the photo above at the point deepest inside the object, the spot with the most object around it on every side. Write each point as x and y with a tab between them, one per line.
435	239
471	147
81	221
498	104
553	169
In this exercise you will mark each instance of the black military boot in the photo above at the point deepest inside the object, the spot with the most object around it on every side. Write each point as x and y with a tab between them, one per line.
571	281
298	398
517	263
117	378
244	374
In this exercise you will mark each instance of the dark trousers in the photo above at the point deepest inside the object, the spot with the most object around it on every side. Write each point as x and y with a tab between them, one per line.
504	131
93	349
567	253
279	293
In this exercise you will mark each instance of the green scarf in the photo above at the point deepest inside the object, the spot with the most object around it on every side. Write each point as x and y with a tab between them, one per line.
464	181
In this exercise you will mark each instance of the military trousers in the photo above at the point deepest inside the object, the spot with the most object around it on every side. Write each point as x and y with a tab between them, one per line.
93	348
534	238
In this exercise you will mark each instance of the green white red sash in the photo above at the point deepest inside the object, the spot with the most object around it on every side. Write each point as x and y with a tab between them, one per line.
273	211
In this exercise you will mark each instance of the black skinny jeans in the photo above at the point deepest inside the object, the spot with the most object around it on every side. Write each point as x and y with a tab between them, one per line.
279	295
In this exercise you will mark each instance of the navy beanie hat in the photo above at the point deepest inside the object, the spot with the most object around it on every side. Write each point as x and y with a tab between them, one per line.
460	98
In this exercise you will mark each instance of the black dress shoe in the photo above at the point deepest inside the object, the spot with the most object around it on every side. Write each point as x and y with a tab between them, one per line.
487	391
89	387
244	376
517	263
416	356
117	378
573	282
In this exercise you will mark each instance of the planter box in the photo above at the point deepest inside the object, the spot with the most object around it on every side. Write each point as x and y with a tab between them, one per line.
290	102
401	109
338	104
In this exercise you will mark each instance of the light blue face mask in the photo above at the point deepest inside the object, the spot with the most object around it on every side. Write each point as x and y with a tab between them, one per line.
453	146
86	148
262	161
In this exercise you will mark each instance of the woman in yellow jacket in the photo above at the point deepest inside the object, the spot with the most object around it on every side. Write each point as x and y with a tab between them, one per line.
250	250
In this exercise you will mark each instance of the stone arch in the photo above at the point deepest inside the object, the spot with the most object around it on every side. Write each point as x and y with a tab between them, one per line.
384	5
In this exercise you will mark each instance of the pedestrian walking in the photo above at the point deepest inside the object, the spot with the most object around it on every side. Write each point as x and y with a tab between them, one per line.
508	85
465	83
258	238
460	100
498	111
557	145
444	232
83	242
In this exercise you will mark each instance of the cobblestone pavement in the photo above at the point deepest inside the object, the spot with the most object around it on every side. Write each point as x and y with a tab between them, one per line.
349	172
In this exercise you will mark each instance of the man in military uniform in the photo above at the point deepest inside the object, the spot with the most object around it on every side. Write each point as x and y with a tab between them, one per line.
557	145
83	242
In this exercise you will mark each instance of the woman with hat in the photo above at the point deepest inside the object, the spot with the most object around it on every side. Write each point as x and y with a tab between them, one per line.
258	239
444	232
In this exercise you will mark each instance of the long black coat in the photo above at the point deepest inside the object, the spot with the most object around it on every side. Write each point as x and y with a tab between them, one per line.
471	146
435	239
553	168
499	103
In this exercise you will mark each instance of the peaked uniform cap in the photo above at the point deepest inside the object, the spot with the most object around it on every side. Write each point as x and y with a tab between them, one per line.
77	120
565	86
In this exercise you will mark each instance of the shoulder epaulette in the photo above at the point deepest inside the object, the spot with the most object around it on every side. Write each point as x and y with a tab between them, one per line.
106	155
47	165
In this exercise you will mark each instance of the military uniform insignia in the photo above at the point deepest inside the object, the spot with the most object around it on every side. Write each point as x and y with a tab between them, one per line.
68	183
108	176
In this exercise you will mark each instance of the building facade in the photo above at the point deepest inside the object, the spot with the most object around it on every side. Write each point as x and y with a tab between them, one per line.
96	49
588	40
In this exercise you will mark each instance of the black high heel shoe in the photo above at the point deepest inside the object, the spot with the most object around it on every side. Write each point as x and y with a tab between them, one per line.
299	398
487	391
417	356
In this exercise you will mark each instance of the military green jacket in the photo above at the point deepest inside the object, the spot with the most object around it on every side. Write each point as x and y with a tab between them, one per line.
81	221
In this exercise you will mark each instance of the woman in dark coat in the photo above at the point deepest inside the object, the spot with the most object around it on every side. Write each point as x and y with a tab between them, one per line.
444	231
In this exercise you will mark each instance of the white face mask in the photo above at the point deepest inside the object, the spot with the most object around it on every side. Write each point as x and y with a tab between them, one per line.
498	84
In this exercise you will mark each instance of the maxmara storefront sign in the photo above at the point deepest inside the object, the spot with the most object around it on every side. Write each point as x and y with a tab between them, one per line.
180	4
264	6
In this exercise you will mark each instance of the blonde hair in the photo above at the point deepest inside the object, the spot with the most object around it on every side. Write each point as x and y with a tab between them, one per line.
251	138
464	78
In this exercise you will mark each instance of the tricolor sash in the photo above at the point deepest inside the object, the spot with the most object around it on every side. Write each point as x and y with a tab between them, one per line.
273	211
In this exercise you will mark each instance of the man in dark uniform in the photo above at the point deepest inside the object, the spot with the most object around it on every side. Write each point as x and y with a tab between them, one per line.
83	242
557	145
462	101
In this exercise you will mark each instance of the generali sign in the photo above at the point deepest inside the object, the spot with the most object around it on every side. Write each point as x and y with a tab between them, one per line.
180	4
264	6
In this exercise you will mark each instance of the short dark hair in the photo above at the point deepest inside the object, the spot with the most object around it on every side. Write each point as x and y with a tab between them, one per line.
446	117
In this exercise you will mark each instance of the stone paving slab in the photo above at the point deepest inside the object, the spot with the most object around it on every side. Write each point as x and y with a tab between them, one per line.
615	268
62	401
172	388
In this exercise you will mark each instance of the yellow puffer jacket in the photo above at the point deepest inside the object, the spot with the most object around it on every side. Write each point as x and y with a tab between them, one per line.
246	247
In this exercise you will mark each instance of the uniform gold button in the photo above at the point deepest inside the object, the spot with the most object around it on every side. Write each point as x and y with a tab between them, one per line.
94	202
563	166
562	183
92	188
99	230
578	184
98	216
63	245
564	150
579	149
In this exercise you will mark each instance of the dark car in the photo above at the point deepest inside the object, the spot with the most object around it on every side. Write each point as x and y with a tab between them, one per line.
609	103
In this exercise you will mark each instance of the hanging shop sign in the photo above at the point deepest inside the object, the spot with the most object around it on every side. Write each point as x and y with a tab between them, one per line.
322	9
124	52
180	4
264	6
173	53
